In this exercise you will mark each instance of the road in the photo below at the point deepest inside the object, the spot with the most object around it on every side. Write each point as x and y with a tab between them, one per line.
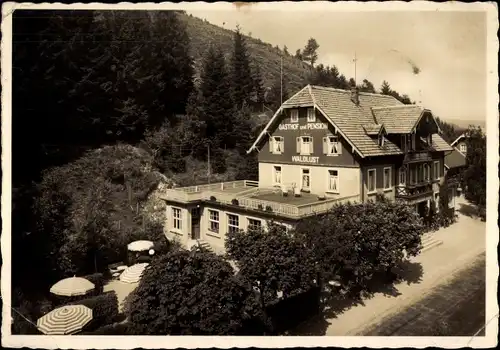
456	308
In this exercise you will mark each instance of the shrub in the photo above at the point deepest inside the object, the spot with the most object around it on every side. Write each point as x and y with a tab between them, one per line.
111	329
212	198
269	208
98	280
189	292
235	202
104	309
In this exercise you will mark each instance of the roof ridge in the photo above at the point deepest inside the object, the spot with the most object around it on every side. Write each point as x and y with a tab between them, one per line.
397	106
348	91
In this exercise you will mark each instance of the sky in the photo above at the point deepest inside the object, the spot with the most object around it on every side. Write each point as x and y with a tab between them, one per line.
449	48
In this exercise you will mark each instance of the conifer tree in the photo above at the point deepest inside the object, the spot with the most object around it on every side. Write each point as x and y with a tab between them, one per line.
385	89
258	86
241	76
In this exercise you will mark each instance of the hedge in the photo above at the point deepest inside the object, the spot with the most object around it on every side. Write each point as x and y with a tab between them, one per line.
104	309
112	329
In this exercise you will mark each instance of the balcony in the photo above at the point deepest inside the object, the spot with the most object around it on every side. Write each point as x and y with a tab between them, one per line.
251	197
414	192
417	156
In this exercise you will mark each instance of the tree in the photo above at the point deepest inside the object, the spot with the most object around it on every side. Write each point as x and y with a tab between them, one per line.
310	53
217	108
367	86
241	76
475	174
285	51
278	93
450	132
353	242
258	86
194	293
298	54
272	261
385	89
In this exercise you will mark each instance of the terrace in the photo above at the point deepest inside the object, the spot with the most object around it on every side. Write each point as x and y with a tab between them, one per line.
247	194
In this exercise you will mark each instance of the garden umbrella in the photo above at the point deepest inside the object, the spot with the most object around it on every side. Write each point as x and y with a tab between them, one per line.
133	273
65	320
72	286
139	246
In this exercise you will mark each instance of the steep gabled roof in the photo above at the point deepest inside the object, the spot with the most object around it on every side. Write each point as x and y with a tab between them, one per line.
458	139
373	129
350	119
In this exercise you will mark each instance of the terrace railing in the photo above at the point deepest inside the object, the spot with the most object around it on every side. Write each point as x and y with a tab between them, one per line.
192	193
325	205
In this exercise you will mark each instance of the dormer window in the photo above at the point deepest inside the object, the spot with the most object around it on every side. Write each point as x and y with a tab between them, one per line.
294	115
381	139
311	115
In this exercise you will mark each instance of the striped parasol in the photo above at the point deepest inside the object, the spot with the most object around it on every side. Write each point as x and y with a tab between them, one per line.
140	246
72	286
69	319
133	273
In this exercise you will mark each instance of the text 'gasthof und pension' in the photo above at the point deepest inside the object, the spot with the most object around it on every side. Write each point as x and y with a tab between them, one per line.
308	126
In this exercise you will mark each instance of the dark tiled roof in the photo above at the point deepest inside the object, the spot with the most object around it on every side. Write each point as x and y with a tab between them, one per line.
454	159
398	119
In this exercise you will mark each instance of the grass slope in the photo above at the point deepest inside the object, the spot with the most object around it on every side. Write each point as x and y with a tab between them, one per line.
203	33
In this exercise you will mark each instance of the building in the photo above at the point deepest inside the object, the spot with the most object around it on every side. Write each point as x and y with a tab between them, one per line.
460	144
322	147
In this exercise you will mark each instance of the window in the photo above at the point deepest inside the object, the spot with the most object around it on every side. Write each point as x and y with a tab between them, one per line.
233	223
306	179
276	145
371	180
332	146
311	115
426	172
436	170
402	176
213	221
305	145
294	116
254	224
413	141
403	143
387	178
177	218
413	175
277	174
420	173
463	148
333	181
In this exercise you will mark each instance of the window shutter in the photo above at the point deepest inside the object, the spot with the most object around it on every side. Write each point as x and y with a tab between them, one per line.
325	145
271	144
298	144
311	147
339	146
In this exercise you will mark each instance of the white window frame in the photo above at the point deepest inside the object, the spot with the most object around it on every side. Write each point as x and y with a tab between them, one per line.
232	226
374	180
294	115
390	178
311	115
276	140
275	172
329	190
381	140
302	179
302	143
435	171
402	171
210	221
254	219
177	219
330	143
463	148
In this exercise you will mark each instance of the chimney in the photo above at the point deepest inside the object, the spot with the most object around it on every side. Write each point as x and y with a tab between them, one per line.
355	95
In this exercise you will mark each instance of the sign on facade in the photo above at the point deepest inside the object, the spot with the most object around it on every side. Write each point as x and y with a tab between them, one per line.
308	126
305	159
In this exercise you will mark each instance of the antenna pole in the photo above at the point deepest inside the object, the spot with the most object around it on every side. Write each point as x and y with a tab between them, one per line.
208	170
355	78
281	80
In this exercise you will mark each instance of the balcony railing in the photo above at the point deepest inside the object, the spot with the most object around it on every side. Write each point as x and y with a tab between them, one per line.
224	194
414	191
417	156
